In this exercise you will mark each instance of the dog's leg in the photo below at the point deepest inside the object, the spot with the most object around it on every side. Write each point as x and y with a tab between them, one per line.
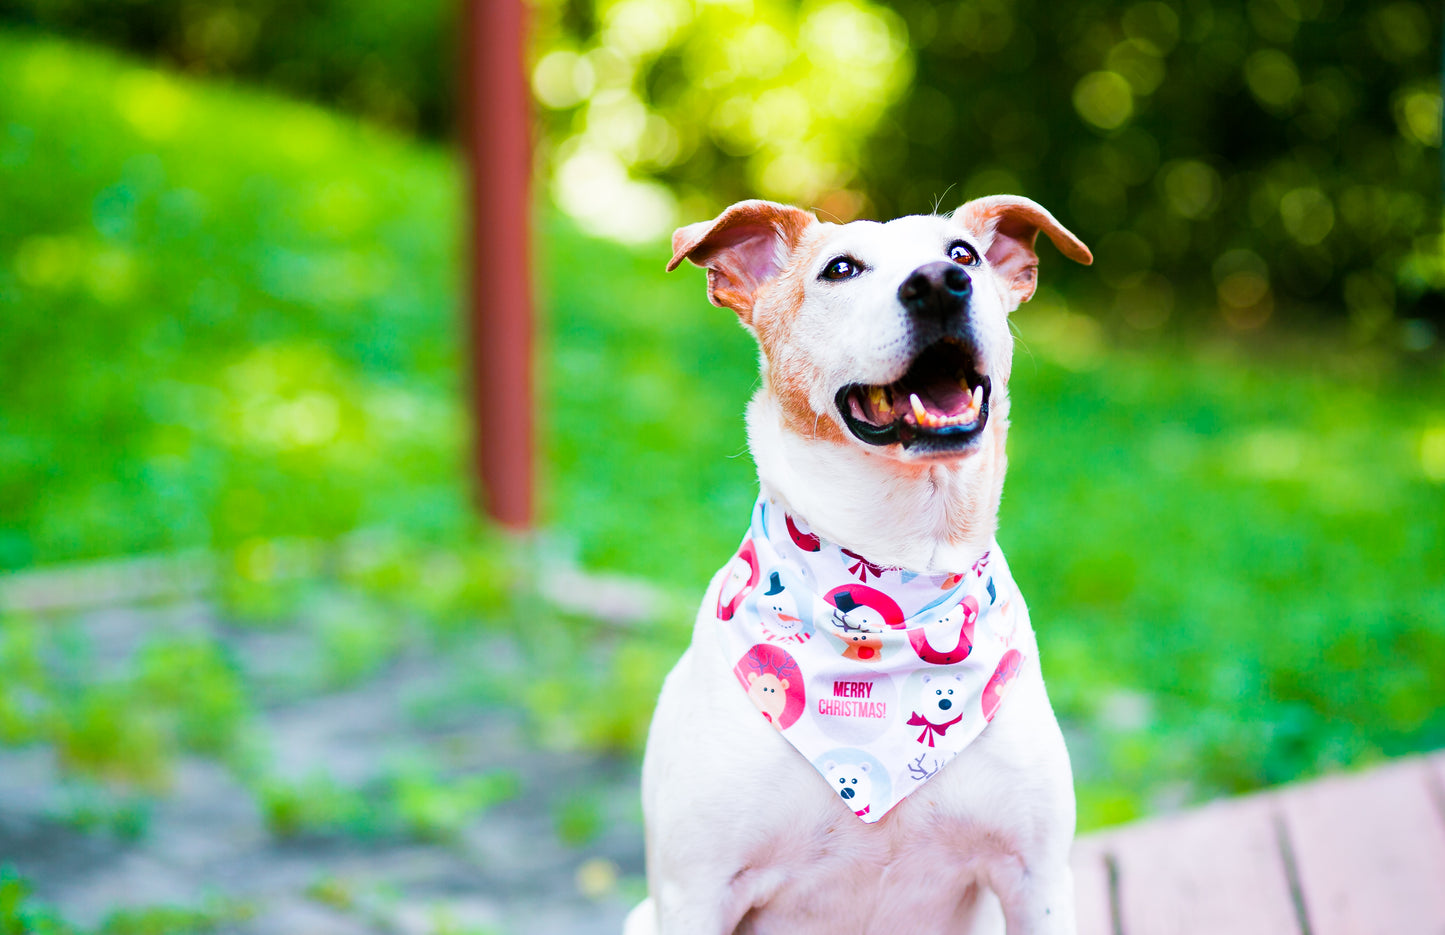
700	909
1036	900
642	920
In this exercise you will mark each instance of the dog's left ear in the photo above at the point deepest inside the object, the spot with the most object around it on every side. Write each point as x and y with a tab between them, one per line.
742	249
1014	223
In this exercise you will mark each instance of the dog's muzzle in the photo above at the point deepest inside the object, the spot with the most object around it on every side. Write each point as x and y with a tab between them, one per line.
940	405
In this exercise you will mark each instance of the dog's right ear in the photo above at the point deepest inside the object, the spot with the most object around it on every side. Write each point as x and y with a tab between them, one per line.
742	249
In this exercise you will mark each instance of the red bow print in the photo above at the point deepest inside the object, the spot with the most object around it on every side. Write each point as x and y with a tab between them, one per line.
930	728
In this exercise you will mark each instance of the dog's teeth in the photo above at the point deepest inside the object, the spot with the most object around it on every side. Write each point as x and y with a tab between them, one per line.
977	396
919	412
880	405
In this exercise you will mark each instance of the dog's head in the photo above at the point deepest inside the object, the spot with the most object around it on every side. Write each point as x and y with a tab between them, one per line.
890	337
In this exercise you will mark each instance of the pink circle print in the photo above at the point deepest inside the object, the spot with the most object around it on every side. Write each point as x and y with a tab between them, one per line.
774	684
999	684
806	541
735	586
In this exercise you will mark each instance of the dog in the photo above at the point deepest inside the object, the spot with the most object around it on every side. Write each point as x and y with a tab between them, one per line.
878	432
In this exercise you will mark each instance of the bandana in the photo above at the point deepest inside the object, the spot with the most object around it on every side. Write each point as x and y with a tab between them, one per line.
877	676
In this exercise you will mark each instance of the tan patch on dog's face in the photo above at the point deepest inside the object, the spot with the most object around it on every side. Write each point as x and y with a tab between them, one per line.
788	373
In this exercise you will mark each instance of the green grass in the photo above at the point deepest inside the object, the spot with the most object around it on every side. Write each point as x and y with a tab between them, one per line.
231	320
22	914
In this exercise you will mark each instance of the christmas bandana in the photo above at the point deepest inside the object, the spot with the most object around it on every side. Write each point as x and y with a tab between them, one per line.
877	676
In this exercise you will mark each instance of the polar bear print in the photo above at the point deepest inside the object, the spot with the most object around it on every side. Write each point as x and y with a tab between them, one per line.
852	783
939	706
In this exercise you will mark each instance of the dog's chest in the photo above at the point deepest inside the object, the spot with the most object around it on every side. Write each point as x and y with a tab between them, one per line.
899	876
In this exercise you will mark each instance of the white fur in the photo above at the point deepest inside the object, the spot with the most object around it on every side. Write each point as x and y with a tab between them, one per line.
742	834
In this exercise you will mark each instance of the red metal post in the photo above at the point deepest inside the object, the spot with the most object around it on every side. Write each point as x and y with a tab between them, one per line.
496	127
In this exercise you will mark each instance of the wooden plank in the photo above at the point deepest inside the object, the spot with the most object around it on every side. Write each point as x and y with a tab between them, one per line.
1370	852
1214	869
1092	906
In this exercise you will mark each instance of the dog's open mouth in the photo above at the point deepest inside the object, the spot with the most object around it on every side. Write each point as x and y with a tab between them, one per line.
940	404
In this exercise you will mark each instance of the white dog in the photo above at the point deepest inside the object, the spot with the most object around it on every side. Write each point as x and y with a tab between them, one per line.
880	425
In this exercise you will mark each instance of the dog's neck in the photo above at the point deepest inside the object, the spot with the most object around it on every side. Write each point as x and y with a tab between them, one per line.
929	517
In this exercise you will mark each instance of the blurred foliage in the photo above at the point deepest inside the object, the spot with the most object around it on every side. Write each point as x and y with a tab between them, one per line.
22	914
215	916
235	322
1232	164
1228	162
220	314
719	100
580	819
432	807
179	695
392	62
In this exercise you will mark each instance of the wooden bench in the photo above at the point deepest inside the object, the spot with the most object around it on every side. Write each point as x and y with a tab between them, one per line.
1353	854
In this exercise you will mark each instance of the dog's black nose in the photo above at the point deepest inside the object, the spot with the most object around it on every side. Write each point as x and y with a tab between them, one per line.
944	705
936	290
847	793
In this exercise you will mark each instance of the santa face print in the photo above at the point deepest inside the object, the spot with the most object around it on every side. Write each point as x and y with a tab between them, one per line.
742	577
999	684
955	632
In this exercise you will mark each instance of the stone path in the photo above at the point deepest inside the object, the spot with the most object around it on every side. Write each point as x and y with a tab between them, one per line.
205	841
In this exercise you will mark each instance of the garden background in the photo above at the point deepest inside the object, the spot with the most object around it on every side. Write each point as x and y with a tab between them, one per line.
230	247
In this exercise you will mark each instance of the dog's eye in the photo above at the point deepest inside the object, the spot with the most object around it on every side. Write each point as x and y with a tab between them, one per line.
841	267
960	252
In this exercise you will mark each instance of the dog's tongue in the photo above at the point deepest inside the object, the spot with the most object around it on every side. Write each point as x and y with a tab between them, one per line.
944	403
944	398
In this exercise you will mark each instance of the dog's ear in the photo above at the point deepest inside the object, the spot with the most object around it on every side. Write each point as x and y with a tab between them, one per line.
742	249
1012	223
